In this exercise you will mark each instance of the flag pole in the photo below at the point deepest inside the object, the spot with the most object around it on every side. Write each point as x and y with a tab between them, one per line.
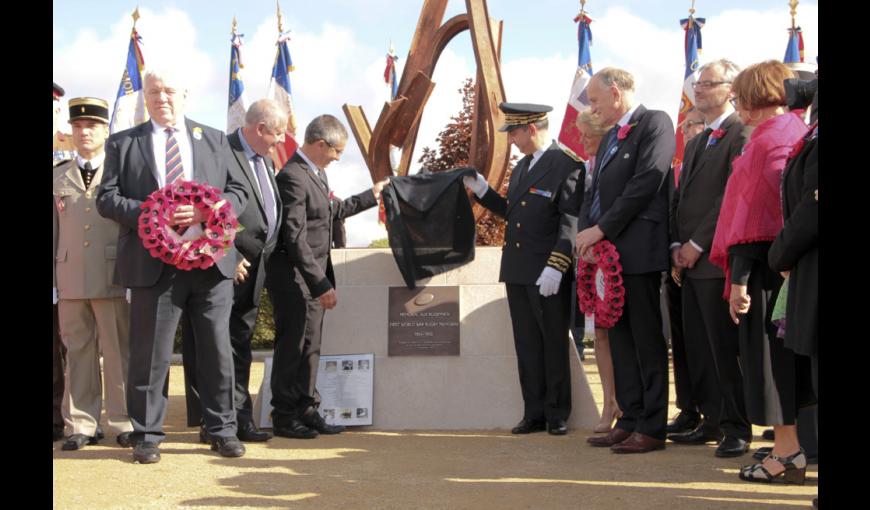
793	4
135	17
280	23
582	11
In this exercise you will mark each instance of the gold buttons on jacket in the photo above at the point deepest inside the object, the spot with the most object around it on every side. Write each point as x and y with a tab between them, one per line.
87	243
87	227
518	245
87	209
518	224
523	203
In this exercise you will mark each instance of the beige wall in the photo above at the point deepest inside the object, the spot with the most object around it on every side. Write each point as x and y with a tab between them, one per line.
479	389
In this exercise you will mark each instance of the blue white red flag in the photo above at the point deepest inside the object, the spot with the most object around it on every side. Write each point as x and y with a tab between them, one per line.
692	46
238	103
280	92
794	52
569	135
390	73
130	102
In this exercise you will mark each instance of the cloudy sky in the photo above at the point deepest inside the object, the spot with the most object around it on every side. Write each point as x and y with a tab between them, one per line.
338	48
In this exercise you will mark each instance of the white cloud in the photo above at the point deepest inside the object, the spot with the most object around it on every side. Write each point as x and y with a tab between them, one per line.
91	66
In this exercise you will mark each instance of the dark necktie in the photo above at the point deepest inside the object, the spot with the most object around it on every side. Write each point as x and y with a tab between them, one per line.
706	134
174	170
595	208
88	174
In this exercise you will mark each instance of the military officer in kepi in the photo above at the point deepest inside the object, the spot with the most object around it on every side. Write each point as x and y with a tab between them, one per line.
93	313
540	211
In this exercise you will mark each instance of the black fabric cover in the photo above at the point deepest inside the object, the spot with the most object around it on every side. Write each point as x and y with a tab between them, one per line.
429	223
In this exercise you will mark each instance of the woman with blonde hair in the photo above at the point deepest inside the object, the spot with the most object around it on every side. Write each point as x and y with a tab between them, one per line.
592	131
749	220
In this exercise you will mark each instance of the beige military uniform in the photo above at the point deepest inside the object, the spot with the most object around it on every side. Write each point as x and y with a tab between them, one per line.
91	309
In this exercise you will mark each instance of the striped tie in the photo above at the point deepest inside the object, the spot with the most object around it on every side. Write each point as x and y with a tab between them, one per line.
174	170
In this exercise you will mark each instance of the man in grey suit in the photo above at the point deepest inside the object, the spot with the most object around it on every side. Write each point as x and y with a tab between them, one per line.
710	335
141	160
265	123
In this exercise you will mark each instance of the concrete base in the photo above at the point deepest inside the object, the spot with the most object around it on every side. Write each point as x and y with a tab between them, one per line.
479	389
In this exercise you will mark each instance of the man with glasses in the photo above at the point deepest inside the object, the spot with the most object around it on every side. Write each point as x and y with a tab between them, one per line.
300	277
710	335
688	418
264	127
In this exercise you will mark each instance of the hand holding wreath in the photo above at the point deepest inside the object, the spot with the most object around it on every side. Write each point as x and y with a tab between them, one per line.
599	285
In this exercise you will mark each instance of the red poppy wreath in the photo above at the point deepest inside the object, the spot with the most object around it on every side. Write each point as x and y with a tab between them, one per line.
181	247
599	286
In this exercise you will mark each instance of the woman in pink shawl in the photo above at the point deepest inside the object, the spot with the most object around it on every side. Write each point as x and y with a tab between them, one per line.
750	219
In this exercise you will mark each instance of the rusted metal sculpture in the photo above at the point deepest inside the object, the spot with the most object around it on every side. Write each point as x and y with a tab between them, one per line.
399	121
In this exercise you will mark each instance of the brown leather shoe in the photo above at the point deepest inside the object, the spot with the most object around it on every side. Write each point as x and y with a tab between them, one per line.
638	443
616	435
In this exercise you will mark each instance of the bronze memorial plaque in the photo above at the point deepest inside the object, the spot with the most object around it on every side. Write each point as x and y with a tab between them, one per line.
423	321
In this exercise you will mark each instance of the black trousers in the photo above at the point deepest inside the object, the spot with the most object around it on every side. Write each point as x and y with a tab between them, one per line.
207	297
540	326
243	319
57	364
712	348
298	333
640	358
682	382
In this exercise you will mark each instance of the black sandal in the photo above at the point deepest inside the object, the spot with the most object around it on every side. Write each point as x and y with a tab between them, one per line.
795	470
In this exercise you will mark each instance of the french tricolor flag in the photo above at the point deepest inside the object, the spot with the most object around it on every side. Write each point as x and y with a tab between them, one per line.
569	135
279	91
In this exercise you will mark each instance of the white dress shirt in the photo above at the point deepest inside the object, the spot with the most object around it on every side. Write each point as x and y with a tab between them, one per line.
158	136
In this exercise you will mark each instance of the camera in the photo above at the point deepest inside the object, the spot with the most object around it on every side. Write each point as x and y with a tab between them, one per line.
799	93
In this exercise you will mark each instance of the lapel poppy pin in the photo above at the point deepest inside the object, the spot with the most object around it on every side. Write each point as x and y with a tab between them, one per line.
623	132
715	136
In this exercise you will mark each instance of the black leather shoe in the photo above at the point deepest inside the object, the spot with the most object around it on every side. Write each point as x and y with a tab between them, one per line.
557	427
732	447
77	442
146	452
528	426
203	435
768	435
684	422
57	432
250	434
294	429
124	440
700	435
228	446
314	421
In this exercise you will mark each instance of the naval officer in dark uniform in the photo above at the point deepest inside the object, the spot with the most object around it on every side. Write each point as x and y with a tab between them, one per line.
541	214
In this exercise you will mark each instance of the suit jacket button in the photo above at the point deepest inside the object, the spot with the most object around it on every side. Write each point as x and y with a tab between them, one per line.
87	243
523	203
87	209
518	245
518	224
87	227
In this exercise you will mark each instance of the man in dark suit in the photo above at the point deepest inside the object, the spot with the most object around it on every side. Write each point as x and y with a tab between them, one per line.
627	204
300	277
265	123
139	161
541	217
710	335
689	417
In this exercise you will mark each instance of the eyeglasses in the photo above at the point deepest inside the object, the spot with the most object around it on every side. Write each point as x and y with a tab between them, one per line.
690	123
707	84
337	152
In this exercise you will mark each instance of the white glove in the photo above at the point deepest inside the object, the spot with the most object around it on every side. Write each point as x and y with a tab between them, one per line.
128	296
549	281
476	184
54	295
